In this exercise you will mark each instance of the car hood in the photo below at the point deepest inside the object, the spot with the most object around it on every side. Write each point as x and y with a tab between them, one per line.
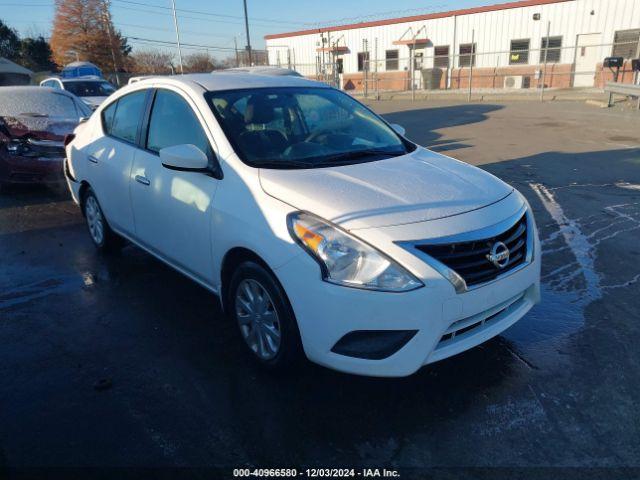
93	102
40	128
416	187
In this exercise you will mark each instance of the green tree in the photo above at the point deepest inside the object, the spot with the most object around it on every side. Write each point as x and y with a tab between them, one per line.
9	42
35	54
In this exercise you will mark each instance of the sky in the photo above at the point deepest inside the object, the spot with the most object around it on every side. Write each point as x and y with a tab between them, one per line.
212	25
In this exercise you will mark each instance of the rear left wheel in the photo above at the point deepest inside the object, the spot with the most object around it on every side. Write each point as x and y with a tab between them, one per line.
103	237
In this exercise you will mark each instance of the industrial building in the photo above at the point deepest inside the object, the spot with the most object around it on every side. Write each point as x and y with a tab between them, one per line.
523	44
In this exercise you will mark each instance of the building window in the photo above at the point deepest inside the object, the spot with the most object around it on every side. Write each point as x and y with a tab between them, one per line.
553	52
339	65
467	55
391	59
441	57
363	61
626	43
519	52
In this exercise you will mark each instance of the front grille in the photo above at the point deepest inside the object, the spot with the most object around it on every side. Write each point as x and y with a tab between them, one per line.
469	259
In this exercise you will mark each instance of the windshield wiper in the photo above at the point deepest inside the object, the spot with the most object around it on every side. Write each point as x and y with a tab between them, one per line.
349	157
33	114
284	164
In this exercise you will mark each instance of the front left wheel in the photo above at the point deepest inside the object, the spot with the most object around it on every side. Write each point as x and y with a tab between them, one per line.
264	317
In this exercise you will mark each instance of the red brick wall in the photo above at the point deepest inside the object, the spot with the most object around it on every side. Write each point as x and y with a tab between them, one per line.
604	75
557	76
395	81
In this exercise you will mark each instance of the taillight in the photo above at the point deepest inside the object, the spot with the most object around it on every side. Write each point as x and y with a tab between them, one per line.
68	139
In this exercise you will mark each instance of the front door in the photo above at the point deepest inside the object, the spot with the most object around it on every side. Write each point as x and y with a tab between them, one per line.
173	209
587	59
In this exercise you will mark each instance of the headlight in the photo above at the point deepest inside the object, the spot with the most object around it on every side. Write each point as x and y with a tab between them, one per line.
17	147
346	260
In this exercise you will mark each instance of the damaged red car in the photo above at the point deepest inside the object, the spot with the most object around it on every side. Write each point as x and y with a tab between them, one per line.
34	122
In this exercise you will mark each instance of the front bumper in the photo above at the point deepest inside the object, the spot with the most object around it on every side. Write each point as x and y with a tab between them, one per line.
30	170
327	312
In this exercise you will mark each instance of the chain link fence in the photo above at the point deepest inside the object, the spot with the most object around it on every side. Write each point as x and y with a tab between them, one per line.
521	70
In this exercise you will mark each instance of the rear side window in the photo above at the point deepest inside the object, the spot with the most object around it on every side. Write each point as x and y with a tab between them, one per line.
107	117
173	122
126	117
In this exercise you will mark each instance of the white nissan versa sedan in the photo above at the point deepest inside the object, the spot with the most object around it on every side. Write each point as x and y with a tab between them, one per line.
320	227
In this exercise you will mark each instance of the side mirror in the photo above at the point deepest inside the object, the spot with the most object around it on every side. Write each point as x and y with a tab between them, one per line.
184	157
399	129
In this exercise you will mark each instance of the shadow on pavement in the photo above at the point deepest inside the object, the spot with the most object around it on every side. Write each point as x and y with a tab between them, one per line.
421	124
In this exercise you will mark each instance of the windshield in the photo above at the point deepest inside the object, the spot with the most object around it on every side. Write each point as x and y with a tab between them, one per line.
90	88
302	128
38	103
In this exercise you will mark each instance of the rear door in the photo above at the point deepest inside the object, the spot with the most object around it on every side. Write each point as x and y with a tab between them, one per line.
173	209
110	158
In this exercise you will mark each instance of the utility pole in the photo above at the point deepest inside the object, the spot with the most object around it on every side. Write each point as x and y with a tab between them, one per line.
246	26
544	69
107	20
235	48
175	23
472	59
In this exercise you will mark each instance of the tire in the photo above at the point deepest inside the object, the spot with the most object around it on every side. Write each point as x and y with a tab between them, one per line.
105	239
259	330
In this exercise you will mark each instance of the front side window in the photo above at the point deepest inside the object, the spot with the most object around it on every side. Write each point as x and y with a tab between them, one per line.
519	52
173	122
302	128
127	115
90	88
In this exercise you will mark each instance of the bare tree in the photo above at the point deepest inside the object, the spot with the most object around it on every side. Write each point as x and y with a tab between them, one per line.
150	62
200	63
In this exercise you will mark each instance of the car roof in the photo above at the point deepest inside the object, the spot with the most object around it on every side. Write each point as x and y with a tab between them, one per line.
228	80
87	78
265	70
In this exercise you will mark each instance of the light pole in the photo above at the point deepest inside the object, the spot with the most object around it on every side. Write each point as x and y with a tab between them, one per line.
175	24
246	26
107	20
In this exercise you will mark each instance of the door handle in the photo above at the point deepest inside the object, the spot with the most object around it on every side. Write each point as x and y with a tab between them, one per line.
142	180
93	159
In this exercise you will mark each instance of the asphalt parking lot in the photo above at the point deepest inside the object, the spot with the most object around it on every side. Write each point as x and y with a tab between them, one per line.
119	361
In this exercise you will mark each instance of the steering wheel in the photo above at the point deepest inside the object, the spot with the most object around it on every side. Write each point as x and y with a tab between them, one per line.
312	136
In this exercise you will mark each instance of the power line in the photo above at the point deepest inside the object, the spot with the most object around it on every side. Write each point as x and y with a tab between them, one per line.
190	32
181	16
170	43
199	12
